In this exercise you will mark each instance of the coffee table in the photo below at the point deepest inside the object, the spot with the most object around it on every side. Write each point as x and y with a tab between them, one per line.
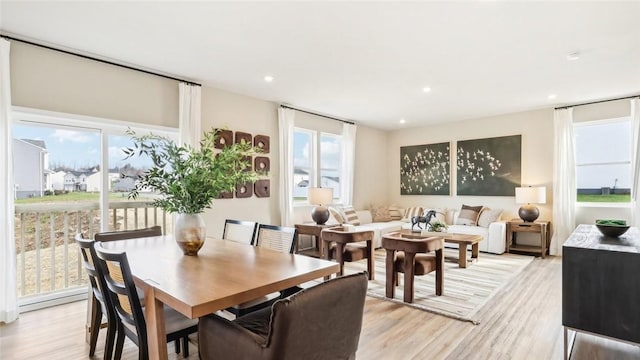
462	240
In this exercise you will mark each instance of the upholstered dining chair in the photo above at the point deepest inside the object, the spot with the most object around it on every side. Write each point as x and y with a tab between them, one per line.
128	234
240	231
321	322
124	297
102	305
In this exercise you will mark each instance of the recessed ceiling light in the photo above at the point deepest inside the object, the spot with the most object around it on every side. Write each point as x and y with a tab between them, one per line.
552	96
402	121
268	78
426	89
573	56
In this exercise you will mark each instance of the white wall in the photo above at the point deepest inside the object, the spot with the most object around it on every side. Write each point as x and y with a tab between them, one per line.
536	128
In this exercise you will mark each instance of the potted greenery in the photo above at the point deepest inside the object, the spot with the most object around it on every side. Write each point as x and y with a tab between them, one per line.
438	226
189	179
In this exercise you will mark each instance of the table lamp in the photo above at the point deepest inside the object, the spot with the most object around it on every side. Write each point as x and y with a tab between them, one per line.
530	195
321	197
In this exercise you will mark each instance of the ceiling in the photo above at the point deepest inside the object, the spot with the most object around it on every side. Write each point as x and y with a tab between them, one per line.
363	61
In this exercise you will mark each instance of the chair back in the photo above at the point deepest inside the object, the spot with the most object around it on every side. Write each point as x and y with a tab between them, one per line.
240	231
128	234
122	291
277	238
335	308
96	279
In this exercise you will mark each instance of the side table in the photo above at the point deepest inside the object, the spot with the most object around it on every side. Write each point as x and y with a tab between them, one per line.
314	230
540	227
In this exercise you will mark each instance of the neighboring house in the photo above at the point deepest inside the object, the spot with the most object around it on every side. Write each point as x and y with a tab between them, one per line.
76	180
57	180
30	168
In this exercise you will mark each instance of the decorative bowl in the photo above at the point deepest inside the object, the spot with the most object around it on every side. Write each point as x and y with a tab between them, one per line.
611	230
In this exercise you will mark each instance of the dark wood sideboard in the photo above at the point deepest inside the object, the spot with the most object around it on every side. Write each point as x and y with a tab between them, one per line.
601	285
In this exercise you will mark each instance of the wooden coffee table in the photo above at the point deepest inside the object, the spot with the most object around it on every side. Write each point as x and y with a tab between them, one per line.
462	240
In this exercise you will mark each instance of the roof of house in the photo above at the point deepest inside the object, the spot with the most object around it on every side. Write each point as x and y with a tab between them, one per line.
38	143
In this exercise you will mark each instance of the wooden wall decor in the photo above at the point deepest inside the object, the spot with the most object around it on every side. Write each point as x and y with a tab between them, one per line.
243	136
225	137
226	195
262	188
262	163
244	191
262	142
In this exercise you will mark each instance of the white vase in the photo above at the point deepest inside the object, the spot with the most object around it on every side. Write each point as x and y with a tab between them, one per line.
189	231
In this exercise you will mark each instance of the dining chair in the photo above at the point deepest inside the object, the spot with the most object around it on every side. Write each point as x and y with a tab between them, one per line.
244	232
277	238
321	322
102	305
122	290
128	234
240	231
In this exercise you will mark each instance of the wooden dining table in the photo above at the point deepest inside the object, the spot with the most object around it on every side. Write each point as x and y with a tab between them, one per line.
224	273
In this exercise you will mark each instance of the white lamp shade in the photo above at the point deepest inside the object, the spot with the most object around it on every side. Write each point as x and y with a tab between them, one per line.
320	196
531	195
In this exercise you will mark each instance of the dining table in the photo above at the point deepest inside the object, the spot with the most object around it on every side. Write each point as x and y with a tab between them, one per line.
222	274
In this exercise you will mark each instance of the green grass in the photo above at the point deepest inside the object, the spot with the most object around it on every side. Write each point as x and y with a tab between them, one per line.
612	198
75	197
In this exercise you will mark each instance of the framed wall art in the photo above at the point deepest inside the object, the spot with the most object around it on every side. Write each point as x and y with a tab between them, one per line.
489	167
425	169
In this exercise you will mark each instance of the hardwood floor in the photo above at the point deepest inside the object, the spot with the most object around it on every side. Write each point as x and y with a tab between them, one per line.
522	322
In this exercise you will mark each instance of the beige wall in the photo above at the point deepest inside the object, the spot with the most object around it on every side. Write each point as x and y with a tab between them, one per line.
371	180
536	128
54	81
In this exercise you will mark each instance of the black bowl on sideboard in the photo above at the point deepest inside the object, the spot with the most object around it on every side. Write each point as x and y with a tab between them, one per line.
612	230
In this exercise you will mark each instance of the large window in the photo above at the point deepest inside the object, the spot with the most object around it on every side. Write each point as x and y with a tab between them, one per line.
316	162
603	160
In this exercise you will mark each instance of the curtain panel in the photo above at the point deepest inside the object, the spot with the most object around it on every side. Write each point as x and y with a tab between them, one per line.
348	162
635	162
564	179
286	119
8	285
190	114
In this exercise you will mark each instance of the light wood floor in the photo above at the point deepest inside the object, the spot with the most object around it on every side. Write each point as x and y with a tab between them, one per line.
522	322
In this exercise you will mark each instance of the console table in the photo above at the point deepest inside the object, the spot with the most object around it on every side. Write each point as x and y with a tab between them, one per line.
600	285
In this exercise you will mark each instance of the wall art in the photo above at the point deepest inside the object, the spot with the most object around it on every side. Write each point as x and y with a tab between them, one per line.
425	169
489	167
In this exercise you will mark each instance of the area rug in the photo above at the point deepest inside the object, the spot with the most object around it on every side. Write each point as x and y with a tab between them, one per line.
466	291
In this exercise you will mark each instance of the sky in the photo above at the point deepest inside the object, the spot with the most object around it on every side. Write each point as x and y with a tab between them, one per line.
78	148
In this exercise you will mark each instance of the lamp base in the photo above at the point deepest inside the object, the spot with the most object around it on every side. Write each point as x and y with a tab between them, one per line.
528	213
320	214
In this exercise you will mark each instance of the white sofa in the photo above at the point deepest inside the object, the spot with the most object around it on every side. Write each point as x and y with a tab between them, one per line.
493	242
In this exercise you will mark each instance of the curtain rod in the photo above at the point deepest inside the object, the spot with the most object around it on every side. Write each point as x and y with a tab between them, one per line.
97	59
597	102
316	114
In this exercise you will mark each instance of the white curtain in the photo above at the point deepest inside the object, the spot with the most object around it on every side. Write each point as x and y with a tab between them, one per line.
348	162
286	118
635	162
190	122
564	179
8	286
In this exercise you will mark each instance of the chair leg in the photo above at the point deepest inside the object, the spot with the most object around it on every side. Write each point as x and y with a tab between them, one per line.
176	344
111	337
95	329
185	346
119	342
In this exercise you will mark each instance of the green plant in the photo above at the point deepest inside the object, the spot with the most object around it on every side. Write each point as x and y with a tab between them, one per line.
187	178
438	226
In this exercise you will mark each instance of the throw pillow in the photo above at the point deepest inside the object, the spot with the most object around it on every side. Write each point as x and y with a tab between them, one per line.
350	215
487	216
381	214
411	212
337	215
395	212
469	215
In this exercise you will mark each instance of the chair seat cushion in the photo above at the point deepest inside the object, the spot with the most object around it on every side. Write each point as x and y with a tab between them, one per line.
352	251
423	263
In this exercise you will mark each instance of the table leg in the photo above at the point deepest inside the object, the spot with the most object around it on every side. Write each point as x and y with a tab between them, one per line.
370	260
339	256
409	268
324	255
475	251
462	255
439	272
391	274
156	333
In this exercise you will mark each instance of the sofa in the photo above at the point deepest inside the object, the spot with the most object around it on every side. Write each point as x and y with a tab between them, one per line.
494	234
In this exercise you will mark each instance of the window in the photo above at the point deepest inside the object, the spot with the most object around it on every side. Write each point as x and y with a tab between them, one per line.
603	160
316	162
